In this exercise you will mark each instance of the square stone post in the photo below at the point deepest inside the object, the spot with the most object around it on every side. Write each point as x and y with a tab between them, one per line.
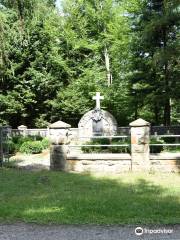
23	130
58	135
140	154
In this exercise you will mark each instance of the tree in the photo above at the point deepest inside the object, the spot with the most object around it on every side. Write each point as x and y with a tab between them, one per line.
51	63
155	76
31	67
95	44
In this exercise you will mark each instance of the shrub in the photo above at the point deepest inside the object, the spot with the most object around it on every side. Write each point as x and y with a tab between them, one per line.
96	149
17	143
11	146
120	149
106	141
172	140
169	139
171	148
31	147
45	143
38	137
156	149
19	140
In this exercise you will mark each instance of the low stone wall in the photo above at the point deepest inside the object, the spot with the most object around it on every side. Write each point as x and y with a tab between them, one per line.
165	162
140	158
104	163
118	163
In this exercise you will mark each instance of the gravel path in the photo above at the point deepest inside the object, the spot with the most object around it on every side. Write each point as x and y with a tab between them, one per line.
22	231
33	161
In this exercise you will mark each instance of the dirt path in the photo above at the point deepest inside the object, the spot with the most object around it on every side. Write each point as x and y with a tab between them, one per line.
33	161
22	231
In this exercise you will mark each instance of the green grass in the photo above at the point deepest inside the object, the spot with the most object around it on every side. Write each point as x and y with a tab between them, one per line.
55	197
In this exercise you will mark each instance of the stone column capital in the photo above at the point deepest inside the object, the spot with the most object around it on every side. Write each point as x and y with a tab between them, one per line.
139	123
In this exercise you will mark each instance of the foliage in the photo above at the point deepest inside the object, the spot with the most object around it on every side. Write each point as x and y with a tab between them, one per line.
31	147
171	140
154	78
16	141
45	143
106	149
28	144
52	63
31	65
163	140
172	149
156	149
12	147
121	149
96	149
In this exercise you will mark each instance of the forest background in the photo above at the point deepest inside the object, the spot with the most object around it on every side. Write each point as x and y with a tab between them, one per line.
53	60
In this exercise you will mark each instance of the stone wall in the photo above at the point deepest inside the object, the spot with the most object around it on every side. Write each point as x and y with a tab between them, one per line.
104	163
140	158
118	163
165	162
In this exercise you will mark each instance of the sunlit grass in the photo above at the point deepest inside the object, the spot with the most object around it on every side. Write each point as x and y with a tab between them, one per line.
55	197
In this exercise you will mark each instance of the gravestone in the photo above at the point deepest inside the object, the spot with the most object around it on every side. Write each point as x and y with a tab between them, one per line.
97	122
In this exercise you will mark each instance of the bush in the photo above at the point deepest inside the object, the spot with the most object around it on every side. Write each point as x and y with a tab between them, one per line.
96	149
31	147
106	141
18	143
37	137
11	146
172	140
121	149
19	140
171	149
45	143
156	149
169	139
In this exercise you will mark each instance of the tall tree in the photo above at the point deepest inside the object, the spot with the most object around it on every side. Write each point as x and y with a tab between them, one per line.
155	77
95	42
32	68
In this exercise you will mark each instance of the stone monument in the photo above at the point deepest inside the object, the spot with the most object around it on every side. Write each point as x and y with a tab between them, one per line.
97	122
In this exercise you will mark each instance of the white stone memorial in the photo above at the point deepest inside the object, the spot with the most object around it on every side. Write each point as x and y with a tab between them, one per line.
97	122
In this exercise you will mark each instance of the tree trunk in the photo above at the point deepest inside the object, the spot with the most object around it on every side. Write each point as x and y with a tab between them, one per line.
167	112
107	63
167	106
156	113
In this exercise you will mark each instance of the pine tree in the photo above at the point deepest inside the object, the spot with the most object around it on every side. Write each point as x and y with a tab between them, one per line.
155	61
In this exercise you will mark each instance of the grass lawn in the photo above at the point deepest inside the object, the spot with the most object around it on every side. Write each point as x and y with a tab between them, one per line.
55	197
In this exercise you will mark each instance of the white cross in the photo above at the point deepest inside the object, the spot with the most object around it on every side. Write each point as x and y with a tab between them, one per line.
98	98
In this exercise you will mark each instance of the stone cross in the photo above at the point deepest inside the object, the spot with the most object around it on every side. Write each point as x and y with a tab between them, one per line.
98	98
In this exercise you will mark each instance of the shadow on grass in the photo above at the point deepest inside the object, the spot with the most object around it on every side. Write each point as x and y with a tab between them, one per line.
15	164
54	197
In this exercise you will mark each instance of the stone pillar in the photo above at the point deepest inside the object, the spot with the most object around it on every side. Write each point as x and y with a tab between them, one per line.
23	129
58	135
58	157
140	154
